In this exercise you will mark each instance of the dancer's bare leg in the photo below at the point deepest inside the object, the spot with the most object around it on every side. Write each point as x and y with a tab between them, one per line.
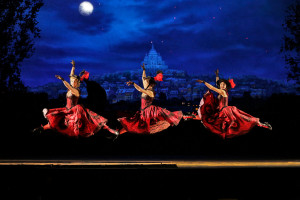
123	130
110	129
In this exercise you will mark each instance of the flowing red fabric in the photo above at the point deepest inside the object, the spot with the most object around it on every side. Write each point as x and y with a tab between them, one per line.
221	119
85	76
151	119
232	84
74	119
159	77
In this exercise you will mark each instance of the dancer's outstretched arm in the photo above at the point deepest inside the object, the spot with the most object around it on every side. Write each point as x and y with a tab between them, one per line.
73	90
145	84
221	92
148	92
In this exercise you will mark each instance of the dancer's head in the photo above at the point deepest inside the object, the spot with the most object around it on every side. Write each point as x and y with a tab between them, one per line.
75	81
225	84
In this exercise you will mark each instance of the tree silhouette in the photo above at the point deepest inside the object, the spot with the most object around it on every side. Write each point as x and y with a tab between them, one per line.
18	28
291	43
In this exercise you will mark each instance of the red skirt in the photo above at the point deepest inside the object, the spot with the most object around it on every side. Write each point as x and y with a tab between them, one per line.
76	121
151	120
227	122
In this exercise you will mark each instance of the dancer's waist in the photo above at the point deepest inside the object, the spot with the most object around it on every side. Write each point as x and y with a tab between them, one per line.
223	108
142	109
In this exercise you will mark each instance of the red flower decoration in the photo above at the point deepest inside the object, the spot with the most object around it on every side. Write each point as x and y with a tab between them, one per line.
159	77
232	84
85	76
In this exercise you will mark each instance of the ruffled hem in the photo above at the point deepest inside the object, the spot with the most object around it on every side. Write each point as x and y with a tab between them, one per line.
229	122
76	121
151	120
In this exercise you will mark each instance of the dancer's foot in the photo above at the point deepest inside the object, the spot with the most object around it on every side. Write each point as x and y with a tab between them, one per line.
265	125
113	136
45	111
116	135
197	117
113	131
38	130
188	117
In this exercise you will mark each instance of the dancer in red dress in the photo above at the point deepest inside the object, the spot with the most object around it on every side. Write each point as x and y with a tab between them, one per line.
219	118
74	120
150	119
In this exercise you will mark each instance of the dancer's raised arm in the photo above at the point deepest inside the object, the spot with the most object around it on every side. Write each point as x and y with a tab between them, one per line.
73	68
217	75
72	89
220	91
145	83
148	92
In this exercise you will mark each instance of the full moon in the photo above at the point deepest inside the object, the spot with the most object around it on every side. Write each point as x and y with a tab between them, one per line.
86	8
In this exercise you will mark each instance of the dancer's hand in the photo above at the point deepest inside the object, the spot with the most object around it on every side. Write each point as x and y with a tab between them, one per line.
59	77
143	66
130	83
73	63
200	81
217	72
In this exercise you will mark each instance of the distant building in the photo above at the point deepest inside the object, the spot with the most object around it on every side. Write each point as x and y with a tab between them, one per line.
125	94
153	62
175	84
173	94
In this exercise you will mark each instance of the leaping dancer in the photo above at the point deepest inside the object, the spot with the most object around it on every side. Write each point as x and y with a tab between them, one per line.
74	120
219	118
150	119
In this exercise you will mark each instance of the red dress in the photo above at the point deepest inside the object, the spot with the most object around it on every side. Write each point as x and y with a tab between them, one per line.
150	119
74	119
226	121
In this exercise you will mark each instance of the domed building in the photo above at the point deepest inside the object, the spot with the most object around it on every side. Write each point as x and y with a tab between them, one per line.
153	62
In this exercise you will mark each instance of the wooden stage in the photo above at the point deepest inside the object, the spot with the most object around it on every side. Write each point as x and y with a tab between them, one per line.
149	179
181	164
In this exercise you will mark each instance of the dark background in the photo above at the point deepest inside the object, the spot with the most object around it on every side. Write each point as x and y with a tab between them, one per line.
188	139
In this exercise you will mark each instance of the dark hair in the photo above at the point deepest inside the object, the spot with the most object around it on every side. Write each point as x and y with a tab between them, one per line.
159	71
228	86
151	82
75	76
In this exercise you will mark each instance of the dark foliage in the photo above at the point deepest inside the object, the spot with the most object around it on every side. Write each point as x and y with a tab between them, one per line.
291	45
18	29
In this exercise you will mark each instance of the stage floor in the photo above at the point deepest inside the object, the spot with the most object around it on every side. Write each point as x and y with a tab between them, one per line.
50	179
181	164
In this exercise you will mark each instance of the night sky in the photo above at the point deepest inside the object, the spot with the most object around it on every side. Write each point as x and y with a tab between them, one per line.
238	37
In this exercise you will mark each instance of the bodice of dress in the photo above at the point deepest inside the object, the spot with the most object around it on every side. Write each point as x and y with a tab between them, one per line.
72	100
146	101
223	101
